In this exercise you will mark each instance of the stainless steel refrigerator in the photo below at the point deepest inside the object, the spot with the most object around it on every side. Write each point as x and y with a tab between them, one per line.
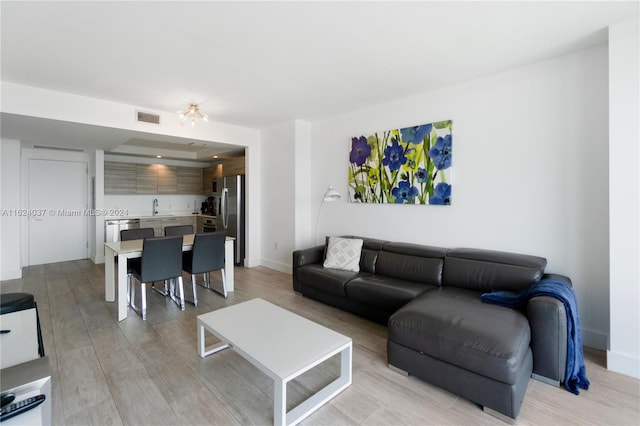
230	214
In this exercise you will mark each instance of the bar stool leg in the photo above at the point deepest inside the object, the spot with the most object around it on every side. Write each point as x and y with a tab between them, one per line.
224	283
143	296
181	290
132	298
193	286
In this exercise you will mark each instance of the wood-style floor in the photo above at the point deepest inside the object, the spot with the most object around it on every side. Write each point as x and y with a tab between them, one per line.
148	372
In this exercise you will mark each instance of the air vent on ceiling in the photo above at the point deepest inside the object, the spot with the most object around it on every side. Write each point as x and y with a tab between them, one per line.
58	148
147	117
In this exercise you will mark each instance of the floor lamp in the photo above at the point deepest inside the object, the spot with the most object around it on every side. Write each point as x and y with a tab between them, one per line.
330	195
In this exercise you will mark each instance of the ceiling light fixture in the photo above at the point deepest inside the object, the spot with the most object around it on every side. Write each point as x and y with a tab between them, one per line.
193	114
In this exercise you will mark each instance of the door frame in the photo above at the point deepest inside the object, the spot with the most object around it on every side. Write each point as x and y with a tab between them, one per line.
52	155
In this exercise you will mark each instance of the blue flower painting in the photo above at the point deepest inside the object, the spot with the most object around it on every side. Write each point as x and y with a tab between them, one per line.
402	166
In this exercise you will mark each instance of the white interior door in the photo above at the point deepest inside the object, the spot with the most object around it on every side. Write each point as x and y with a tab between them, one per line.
58	189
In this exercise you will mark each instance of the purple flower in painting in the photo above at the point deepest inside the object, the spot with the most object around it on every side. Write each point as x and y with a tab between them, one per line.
441	194
360	150
404	192
394	156
422	175
441	152
415	134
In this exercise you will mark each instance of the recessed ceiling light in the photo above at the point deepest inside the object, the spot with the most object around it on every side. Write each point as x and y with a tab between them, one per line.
158	156
215	156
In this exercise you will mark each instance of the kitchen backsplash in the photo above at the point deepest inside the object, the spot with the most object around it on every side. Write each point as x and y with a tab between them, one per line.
142	205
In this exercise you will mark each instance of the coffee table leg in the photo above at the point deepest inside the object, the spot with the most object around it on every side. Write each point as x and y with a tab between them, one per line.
279	402
202	351
302	411
346	357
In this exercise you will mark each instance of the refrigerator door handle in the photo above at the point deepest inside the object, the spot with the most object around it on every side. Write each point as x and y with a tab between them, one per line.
225	213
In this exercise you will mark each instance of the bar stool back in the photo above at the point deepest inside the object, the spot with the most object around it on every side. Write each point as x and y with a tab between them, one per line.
161	260
178	230
207	256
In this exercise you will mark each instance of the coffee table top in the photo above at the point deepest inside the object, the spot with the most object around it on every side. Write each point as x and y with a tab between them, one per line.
279	341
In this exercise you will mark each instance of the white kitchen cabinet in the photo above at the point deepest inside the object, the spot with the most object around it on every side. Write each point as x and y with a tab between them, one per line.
189	220
152	222
170	221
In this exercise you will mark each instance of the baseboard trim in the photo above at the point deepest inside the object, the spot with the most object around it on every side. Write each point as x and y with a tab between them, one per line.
11	274
623	364
595	339
278	266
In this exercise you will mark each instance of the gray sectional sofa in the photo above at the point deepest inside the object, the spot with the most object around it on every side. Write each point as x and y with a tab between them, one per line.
438	328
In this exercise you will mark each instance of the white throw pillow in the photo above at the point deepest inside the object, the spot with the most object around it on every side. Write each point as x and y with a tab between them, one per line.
343	253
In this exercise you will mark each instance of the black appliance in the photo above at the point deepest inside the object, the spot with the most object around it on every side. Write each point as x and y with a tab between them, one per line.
209	207
209	225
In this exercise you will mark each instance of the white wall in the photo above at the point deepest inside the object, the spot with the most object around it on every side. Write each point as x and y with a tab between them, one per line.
286	201
97	248
10	235
302	184
624	198
278	200
36	102
529	172
253	213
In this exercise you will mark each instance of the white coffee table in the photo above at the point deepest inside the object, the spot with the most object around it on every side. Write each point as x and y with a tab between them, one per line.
281	344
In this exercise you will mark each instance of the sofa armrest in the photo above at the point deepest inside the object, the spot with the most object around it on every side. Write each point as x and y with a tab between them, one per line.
548	321
305	257
308	256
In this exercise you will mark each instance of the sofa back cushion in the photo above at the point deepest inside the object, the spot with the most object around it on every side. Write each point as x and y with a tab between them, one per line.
413	262
486	270
370	249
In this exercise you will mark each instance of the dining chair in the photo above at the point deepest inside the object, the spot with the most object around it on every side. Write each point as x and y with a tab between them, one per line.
206	256
135	234
161	260
178	230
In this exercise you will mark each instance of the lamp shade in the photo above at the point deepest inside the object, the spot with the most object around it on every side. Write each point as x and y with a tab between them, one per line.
331	194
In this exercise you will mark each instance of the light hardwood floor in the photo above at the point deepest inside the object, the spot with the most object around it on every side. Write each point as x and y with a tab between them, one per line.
149	373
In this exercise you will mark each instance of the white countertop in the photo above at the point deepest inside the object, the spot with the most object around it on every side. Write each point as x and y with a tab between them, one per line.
158	216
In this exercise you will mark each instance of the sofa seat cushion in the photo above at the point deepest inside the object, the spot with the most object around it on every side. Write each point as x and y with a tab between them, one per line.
384	292
453	325
327	280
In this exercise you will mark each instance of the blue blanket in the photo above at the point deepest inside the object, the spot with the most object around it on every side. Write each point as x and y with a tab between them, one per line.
575	375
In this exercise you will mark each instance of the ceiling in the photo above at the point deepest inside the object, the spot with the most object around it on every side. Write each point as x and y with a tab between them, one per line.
256	64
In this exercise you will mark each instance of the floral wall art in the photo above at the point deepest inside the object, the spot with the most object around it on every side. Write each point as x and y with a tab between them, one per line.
402	166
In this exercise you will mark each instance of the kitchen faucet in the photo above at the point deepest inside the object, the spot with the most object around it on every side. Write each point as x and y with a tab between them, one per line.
155	206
